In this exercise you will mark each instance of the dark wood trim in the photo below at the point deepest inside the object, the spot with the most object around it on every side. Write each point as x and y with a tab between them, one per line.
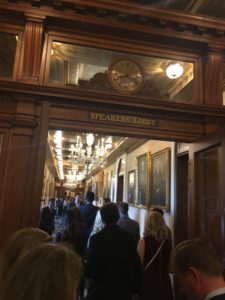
69	97
129	12
211	140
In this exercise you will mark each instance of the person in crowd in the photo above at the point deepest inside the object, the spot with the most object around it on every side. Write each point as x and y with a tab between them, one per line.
65	204
59	207
154	250
76	234
198	270
98	223
89	211
71	205
77	199
50	271
126	223
159	210
113	263
19	244
47	217
75	231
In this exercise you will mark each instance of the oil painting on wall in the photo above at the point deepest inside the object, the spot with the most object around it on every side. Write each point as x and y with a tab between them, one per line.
131	187
160	179
142	181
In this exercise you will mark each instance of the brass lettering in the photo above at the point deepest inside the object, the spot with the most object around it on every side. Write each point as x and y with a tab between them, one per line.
123	119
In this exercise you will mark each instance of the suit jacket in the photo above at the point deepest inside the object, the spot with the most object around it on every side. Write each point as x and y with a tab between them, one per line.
131	226
113	264
88	212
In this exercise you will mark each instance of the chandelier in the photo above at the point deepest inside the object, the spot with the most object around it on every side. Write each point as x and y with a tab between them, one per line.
86	153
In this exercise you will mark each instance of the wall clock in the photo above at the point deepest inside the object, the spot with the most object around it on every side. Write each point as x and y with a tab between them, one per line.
126	76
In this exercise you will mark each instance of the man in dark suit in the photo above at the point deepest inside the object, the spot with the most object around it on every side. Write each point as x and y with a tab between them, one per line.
126	223
113	263
198	270
89	211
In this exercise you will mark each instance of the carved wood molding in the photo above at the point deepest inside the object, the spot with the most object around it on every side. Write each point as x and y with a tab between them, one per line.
80	98
73	113
129	16
33	37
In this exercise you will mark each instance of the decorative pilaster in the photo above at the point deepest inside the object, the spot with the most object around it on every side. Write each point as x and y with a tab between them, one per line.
32	49
213	78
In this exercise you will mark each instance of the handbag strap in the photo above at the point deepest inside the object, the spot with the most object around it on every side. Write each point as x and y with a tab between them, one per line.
152	259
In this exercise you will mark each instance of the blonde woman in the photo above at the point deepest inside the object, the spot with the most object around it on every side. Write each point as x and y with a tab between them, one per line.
50	271
19	244
154	250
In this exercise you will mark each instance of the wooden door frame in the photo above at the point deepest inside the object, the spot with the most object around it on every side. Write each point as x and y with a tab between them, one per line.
207	142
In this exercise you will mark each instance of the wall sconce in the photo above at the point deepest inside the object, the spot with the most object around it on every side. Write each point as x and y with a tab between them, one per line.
174	71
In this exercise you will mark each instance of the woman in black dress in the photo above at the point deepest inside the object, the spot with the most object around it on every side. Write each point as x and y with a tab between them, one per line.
154	250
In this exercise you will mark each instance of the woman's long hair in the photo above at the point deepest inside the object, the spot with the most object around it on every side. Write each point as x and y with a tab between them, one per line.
73	220
155	226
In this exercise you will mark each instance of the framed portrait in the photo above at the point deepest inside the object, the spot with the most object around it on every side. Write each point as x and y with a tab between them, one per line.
131	189
142	180
160	179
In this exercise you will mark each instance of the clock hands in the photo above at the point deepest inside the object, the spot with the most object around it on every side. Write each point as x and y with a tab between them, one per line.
126	76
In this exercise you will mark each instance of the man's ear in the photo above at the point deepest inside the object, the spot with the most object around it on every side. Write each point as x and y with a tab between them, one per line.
193	274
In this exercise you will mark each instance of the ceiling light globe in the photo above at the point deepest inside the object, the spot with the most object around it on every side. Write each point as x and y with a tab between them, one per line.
174	71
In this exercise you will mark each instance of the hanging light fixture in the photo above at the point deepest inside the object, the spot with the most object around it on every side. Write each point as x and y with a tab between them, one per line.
174	71
86	152
90	139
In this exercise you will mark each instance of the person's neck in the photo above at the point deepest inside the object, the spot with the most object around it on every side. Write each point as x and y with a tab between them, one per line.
211	284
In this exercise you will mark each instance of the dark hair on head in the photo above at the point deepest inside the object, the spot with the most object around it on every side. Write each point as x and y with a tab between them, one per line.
159	210
90	196
106	200
123	208
197	253
109	213
73	215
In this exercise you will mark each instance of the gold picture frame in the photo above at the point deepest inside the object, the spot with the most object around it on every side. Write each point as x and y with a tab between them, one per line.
160	179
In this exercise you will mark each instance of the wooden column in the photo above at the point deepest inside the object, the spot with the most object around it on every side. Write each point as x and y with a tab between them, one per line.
32	197
32	49
17	153
213	77
24	153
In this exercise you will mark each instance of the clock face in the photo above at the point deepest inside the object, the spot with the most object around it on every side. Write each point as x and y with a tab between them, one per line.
126	76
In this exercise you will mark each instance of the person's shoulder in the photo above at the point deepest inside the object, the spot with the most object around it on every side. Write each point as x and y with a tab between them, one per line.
97	236
134	222
96	208
125	235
